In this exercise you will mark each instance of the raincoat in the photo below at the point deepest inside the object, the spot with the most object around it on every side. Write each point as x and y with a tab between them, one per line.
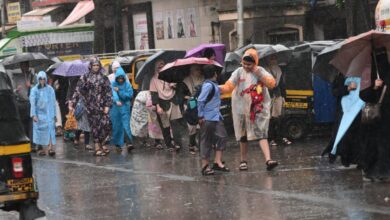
96	90
43	106
255	127
139	115
120	115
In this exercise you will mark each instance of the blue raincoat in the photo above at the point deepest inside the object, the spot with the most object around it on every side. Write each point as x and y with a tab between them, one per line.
120	115
43	106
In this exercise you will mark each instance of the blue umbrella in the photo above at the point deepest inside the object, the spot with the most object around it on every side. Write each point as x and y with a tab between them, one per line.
72	68
352	105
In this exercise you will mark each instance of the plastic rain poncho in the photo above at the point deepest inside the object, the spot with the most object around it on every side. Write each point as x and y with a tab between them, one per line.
43	106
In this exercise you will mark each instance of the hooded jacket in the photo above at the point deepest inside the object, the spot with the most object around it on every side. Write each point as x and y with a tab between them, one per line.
120	115
43	106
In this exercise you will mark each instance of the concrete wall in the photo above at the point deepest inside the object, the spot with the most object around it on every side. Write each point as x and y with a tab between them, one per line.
205	11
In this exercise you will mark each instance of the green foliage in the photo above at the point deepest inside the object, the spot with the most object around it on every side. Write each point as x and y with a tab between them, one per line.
340	3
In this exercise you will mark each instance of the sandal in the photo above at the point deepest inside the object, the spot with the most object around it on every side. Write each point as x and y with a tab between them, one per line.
130	147
218	168
159	146
41	153
286	141
206	171
273	143
99	153
271	164
105	150
88	147
51	152
243	166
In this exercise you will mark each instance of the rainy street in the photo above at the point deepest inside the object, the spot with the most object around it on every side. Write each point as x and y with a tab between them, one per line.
150	184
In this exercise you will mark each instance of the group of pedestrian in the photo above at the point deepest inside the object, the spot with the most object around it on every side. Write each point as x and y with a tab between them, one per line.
365	144
102	106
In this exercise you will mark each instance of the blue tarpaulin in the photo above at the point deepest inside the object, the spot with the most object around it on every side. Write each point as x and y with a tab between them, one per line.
324	101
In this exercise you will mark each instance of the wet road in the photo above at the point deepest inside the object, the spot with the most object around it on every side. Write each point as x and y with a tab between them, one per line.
150	184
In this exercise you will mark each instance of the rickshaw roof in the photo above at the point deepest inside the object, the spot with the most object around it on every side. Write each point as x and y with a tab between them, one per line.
5	81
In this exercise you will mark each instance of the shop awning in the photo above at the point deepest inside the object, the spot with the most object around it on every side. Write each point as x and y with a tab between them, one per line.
81	10
37	14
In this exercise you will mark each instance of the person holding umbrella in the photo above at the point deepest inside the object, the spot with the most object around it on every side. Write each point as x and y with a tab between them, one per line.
167	112
251	106
95	88
278	95
192	82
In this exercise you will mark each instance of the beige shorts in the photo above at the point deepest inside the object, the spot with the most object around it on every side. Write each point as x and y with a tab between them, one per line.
244	127
277	107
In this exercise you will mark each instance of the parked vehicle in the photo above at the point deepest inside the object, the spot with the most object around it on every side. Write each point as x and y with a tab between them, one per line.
18	189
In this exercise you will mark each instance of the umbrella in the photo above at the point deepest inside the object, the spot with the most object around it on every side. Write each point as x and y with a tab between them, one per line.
72	68
179	69
198	51
146	72
355	55
264	50
232	62
352	106
35	60
322	66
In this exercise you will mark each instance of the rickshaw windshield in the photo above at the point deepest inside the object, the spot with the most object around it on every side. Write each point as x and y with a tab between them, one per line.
8	109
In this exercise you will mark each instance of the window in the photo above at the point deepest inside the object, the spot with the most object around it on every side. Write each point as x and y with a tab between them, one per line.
281	35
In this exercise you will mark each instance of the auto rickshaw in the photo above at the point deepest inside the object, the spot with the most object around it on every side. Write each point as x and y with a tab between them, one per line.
18	189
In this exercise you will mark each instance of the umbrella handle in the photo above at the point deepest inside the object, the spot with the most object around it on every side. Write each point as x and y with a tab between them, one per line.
375	62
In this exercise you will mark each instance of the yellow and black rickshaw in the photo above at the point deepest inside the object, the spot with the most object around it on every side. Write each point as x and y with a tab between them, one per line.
18	190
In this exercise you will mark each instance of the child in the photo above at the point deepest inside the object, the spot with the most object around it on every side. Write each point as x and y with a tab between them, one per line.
212	129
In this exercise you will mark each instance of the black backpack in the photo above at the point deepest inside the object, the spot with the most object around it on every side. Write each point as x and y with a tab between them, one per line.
191	113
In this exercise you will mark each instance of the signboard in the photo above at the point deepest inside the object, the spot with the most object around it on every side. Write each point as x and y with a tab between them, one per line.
63	49
40	3
13	12
60	44
140	24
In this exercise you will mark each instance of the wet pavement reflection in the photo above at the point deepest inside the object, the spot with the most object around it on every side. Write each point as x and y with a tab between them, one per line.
150	184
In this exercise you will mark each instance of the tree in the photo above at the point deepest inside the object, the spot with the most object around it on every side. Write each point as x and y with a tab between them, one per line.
358	16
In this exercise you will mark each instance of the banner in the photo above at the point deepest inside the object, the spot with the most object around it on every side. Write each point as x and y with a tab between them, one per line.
140	24
159	23
13	12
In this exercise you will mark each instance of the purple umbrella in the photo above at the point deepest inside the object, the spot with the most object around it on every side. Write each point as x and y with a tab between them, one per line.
72	68
199	50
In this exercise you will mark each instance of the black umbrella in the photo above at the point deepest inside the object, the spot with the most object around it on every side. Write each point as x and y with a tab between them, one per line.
145	74
322	66
232	62
35	60
265	50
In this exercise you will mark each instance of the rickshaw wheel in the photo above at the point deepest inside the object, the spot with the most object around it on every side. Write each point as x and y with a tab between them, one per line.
29	210
295	129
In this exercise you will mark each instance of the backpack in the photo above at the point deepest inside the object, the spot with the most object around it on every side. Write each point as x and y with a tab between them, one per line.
191	113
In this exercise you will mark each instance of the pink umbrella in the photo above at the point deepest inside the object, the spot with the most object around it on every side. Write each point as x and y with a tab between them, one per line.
354	56
179	69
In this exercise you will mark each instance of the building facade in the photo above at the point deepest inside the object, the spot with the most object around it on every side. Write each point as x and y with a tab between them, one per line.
168	23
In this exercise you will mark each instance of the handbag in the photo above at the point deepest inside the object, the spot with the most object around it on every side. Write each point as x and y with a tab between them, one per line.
79	109
371	112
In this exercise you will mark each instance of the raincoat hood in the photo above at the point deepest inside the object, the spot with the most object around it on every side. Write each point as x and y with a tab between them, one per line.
120	72
253	54
42	74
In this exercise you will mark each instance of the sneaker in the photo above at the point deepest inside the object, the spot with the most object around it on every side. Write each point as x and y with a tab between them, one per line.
273	143
193	149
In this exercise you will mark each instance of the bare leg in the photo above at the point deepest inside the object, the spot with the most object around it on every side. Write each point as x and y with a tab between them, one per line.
218	158
265	148
244	151
204	162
